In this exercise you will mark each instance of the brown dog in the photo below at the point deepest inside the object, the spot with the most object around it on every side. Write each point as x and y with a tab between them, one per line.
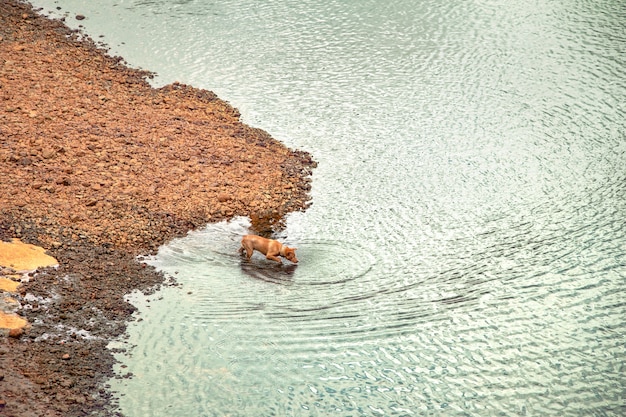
272	249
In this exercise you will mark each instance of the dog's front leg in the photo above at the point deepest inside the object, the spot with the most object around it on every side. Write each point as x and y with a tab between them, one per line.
273	257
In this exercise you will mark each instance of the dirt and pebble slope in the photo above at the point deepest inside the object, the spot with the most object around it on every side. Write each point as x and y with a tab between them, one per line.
98	167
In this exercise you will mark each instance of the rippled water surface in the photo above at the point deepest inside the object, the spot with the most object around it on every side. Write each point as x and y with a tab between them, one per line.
465	253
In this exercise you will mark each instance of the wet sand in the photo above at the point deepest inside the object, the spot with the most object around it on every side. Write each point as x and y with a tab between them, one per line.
97	167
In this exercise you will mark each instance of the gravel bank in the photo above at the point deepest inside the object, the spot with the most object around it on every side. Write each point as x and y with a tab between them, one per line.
98	167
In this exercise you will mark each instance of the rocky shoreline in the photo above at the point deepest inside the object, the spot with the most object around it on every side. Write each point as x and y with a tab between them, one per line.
99	167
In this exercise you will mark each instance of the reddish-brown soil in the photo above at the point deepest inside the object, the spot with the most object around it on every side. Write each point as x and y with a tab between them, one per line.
98	167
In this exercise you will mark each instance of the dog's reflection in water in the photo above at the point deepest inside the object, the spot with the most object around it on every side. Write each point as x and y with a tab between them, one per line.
274	273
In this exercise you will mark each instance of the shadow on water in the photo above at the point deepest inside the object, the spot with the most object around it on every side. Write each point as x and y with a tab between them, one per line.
274	273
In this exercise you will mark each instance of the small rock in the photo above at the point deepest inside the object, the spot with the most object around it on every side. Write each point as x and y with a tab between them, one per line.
80	17
65	357
79	399
48	153
63	181
223	197
66	383
16	333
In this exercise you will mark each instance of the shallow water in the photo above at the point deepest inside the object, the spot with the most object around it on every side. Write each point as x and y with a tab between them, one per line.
465	253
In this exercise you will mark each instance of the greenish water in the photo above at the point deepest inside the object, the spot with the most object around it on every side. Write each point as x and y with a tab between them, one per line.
465	253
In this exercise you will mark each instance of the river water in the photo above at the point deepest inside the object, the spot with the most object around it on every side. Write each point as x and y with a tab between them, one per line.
465	253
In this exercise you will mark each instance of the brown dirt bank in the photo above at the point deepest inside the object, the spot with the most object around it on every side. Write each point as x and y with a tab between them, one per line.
98	167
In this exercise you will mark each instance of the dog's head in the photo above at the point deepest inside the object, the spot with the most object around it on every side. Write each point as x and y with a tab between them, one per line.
290	254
